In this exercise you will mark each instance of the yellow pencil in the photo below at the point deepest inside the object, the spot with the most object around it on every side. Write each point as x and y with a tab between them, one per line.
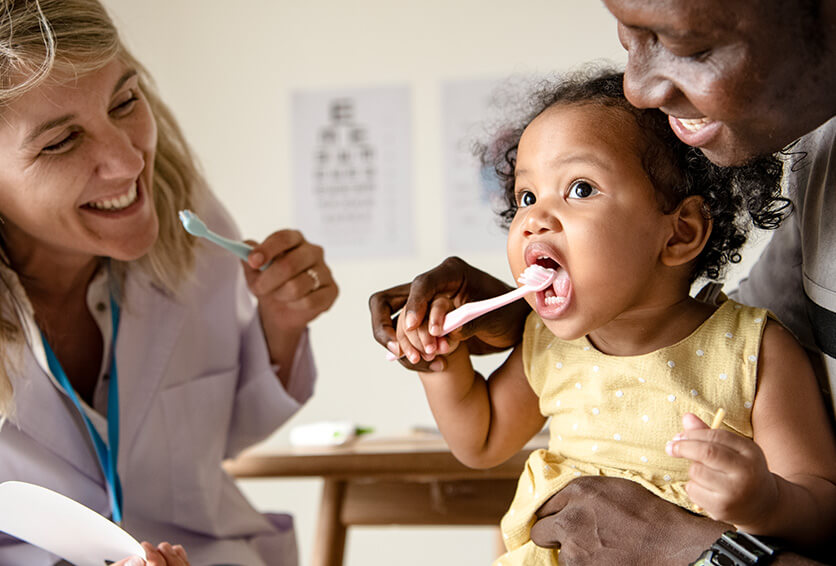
718	418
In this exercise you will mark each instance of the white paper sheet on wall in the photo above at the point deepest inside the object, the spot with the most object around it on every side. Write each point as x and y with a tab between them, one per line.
473	192
352	170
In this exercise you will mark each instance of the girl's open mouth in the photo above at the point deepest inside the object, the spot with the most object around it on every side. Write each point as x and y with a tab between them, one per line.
554	300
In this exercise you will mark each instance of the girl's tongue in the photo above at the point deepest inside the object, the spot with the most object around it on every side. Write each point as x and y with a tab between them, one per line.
556	297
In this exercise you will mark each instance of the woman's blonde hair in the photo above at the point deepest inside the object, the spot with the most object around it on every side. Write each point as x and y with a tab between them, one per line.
47	40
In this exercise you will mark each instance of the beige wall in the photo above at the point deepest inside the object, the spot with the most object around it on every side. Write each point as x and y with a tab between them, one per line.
227	70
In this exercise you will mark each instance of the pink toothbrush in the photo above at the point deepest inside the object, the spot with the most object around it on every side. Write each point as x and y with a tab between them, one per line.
534	278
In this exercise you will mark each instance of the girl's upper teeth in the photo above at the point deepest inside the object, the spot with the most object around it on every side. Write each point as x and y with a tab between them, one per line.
117	203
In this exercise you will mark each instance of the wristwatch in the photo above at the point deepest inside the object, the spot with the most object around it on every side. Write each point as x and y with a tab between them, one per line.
736	548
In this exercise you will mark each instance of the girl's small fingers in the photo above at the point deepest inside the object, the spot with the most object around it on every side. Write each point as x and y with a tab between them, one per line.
726	438
690	421
709	478
445	346
712	454
410	345
429	343
702	496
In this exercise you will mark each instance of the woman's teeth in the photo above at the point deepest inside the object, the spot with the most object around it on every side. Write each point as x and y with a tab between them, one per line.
694	125
116	203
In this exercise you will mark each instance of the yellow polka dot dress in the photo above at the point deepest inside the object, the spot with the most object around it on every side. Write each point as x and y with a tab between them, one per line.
612	415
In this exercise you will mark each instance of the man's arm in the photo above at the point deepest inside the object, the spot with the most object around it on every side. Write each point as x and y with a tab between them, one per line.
596	520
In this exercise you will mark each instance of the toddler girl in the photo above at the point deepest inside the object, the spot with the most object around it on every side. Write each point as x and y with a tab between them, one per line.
616	353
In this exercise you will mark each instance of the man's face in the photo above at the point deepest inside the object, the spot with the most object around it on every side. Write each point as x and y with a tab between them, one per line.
737	78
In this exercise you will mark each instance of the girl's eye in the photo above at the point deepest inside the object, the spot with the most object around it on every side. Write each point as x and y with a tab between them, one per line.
582	189
526	198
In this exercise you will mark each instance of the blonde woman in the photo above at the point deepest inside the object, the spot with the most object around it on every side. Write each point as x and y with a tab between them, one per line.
134	358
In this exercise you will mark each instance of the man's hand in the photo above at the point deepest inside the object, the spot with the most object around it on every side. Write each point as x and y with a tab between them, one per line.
601	521
449	285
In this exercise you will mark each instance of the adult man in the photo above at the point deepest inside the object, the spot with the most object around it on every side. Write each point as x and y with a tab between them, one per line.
738	78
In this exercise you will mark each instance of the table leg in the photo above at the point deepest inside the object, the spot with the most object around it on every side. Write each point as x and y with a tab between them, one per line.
329	547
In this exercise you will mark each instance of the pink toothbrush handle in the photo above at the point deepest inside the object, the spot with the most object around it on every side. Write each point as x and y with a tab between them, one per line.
469	311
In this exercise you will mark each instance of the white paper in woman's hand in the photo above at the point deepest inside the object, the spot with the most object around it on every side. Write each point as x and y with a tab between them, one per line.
62	526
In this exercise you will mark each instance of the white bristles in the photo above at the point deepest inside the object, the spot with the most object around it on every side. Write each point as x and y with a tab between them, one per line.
537	276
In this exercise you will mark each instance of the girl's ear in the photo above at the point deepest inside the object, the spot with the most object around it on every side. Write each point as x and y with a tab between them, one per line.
691	229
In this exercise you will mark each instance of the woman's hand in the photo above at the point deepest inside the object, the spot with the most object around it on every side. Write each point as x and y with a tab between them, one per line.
163	555
434	293
296	286
729	477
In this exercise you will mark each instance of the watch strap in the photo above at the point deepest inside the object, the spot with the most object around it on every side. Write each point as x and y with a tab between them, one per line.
737	548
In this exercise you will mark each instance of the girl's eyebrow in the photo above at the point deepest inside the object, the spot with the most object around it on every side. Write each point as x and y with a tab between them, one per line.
60	121
583	157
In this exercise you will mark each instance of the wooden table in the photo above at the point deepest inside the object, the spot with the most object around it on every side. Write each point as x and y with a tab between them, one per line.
410	480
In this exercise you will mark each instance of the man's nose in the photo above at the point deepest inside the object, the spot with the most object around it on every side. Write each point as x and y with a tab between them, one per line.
646	84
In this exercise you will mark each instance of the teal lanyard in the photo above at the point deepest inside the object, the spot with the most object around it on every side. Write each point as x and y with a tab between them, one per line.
107	453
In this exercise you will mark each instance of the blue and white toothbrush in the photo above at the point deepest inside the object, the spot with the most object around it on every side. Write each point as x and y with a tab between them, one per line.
196	227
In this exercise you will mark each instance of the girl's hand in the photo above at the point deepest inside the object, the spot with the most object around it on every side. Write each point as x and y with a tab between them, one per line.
729	477
297	285
164	555
418	342
436	292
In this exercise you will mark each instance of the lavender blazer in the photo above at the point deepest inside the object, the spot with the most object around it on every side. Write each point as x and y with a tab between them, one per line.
196	386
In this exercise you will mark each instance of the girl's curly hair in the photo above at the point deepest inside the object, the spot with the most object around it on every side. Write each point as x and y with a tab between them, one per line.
676	169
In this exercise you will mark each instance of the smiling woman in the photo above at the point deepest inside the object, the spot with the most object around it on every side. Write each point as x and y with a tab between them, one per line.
117	329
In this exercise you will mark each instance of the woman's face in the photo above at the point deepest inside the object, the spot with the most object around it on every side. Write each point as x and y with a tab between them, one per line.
76	169
737	79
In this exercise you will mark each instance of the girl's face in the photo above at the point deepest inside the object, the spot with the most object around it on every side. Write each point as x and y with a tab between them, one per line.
586	207
76	169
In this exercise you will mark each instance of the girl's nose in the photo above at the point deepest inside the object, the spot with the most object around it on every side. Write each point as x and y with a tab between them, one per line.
540	220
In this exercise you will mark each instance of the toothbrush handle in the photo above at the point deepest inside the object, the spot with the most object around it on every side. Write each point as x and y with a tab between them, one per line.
240	249
469	311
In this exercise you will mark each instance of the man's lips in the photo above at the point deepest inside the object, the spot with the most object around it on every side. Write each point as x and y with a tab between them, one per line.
696	132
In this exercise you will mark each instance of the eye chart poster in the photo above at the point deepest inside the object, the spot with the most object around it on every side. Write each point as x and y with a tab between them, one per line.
352	170
473	192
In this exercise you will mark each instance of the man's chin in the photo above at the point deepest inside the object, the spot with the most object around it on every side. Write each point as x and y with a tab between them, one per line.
731	156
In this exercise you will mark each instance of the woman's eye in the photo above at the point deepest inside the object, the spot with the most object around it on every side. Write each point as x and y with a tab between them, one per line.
526	198
61	145
582	189
125	106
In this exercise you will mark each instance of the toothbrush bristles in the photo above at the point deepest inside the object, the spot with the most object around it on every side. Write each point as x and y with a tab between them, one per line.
537	276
